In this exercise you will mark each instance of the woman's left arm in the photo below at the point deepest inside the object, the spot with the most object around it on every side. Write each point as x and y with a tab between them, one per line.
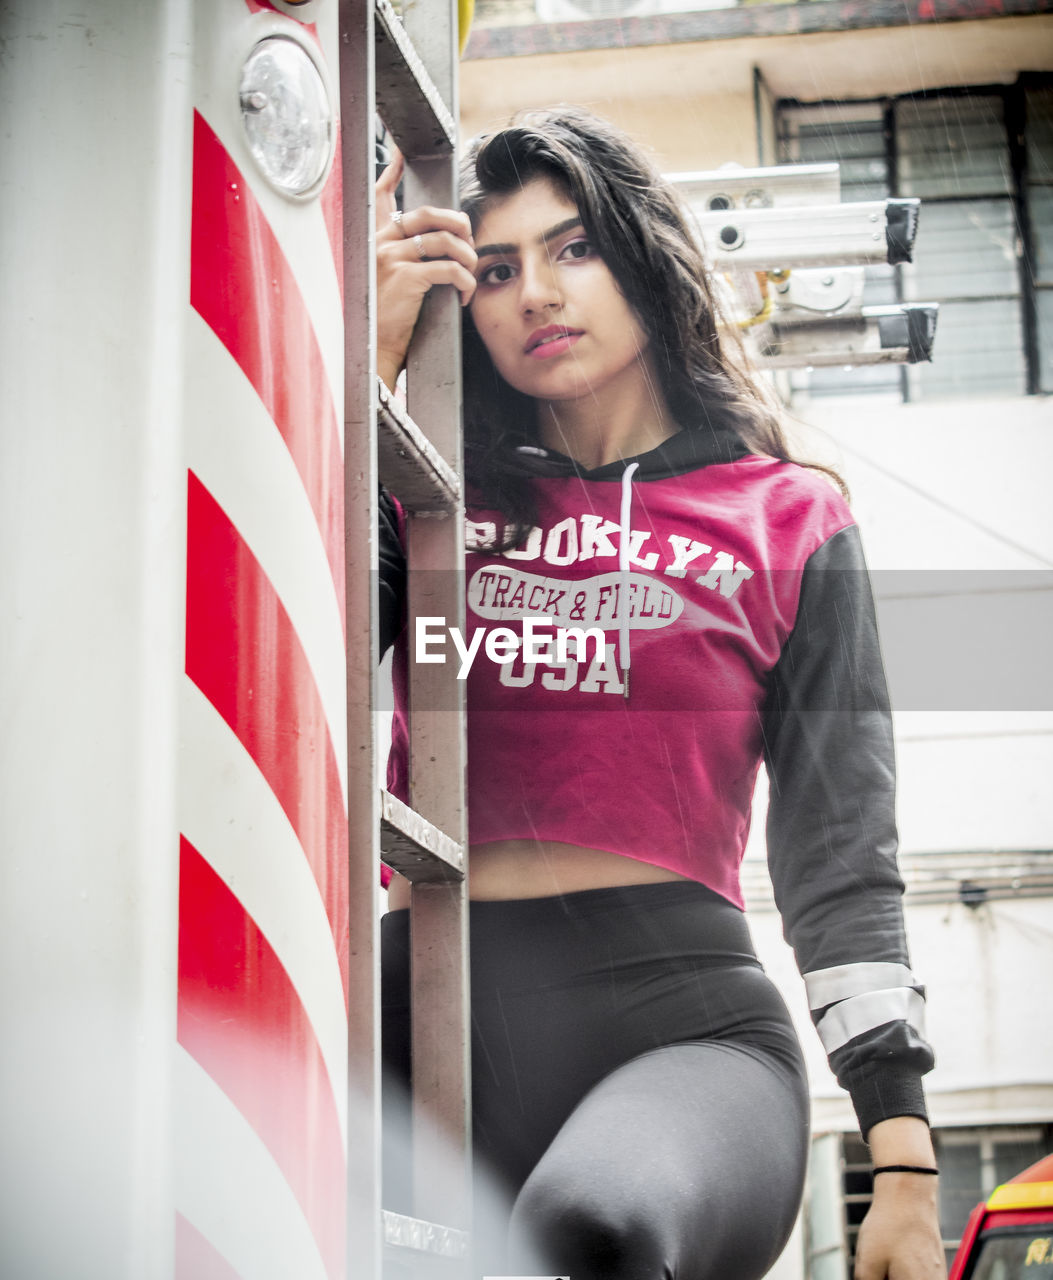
832	847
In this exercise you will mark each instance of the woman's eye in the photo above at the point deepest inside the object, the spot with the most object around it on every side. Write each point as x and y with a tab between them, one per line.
578	249
498	273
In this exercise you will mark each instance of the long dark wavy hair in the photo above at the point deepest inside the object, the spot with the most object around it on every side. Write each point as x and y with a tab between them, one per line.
635	220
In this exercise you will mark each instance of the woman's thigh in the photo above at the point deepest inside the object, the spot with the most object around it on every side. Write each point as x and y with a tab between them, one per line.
559	1006
630	1035
686	1163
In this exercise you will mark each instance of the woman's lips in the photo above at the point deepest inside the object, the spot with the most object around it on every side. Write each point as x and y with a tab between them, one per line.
554	341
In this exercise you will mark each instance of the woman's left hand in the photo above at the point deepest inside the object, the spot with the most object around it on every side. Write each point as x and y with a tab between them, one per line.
900	1236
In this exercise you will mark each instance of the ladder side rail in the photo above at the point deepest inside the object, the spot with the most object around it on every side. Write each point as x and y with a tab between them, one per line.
426	464
364	1241
439	919
437	764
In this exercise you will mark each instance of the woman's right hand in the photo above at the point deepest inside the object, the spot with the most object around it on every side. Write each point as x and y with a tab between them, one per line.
423	247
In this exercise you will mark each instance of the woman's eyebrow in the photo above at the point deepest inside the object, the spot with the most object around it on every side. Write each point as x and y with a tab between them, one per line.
566	225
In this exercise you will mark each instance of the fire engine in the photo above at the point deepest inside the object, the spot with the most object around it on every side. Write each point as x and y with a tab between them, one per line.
193	439
1009	1236
191	823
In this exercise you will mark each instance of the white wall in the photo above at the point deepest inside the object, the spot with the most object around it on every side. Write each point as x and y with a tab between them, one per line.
953	498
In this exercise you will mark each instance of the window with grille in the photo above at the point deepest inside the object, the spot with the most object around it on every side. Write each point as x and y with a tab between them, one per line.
981	161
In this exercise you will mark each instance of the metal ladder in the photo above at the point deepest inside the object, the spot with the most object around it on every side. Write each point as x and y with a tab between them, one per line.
406	70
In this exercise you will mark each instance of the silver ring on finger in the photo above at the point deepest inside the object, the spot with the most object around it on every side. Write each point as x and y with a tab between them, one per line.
396	218
418	244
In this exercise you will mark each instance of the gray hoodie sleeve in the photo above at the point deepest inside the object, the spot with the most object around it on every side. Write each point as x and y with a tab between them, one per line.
832	837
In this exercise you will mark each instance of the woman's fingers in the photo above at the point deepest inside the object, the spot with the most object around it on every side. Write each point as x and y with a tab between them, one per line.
402	284
387	184
401	292
415	251
447	233
405	279
404	253
420	221
428	218
446	271
429	245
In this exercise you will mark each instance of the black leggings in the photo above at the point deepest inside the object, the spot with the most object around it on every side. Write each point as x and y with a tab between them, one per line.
640	1108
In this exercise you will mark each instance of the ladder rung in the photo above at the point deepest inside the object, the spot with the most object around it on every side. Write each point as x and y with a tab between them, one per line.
410	465
402	1232
413	847
408	101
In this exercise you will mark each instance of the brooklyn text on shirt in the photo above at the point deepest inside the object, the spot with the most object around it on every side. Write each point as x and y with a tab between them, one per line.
575	610
588	537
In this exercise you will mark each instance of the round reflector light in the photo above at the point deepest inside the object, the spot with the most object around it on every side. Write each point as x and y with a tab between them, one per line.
287	117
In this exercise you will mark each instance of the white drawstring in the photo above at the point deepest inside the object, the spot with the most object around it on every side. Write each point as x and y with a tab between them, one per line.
624	543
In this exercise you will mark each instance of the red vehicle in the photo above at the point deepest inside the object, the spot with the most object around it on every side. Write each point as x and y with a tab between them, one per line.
1010	1235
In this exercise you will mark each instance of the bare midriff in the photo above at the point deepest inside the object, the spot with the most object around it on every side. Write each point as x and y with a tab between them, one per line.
509	869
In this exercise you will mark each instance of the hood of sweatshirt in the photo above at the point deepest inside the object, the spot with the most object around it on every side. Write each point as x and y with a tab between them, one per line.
688	450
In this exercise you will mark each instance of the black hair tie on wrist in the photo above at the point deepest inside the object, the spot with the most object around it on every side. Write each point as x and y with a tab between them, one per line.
904	1168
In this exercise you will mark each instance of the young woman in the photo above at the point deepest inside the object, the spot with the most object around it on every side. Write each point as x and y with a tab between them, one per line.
638	1091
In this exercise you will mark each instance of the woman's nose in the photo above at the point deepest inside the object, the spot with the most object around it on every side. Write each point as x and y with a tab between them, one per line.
538	286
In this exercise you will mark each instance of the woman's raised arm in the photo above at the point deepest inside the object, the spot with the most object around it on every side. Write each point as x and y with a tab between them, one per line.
415	250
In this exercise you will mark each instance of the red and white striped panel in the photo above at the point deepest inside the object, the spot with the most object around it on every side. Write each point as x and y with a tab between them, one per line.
261	1066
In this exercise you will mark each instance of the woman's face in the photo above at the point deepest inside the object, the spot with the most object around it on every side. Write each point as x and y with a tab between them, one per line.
547	307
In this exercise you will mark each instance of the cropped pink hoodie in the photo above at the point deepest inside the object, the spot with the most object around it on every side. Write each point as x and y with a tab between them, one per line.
725	617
